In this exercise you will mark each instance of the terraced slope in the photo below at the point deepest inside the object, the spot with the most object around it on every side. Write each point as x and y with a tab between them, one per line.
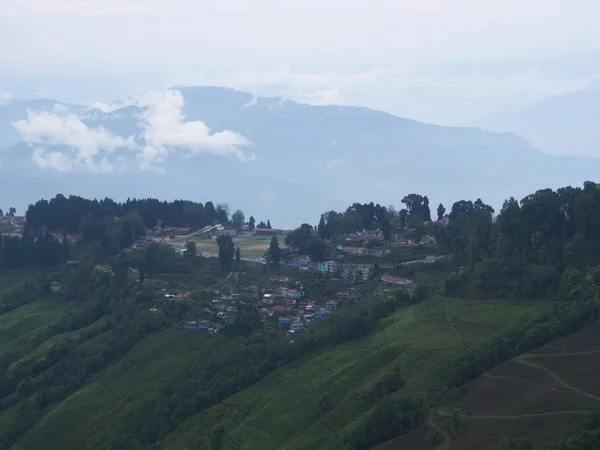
536	396
317	402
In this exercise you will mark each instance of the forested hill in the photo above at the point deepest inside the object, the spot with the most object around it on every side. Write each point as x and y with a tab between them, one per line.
118	346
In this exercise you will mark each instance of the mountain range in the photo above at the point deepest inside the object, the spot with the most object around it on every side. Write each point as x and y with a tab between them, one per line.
298	160
560	124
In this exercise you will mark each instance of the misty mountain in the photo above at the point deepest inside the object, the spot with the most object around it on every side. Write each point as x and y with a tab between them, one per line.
308	159
561	124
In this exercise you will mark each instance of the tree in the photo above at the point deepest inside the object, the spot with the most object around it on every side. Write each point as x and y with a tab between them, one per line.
316	249
1	213
261	225
12	211
323	228
238	256
226	251
237	219
268	224
274	250
190	249
440	212
251	223
298	237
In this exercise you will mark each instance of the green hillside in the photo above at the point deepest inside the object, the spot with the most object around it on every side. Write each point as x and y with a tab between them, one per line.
316	402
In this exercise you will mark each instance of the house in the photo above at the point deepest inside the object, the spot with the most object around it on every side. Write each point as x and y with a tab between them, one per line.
381	266
331	305
294	294
280	279
214	327
353	250
284	321
366	272
203	324
190	324
228	232
330	268
229	320
279	308
104	269
372	252
395	280
321	314
295	327
269	232
55	287
301	260
208	311
269	299
428	239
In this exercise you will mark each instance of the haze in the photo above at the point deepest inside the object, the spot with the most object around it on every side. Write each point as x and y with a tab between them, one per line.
443	62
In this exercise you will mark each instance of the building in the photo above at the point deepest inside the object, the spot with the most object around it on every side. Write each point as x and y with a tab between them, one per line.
284	321
269	232
297	326
55	287
269	299
353	250
331	305
395	280
228	232
279	308
321	314
331	268
280	279
428	239
365	272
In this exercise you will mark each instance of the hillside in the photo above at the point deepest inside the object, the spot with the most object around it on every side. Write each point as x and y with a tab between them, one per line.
307	158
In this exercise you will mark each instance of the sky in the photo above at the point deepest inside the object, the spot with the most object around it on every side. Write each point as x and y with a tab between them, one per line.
440	61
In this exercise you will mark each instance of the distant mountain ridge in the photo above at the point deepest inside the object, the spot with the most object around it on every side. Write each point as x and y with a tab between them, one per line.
308	159
561	124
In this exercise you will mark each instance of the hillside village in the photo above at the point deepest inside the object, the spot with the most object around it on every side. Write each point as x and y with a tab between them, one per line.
361	264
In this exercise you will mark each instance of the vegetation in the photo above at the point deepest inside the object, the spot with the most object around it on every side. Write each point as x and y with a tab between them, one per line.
103	362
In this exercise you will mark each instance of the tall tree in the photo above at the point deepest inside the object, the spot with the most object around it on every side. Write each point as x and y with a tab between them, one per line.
12	211
274	250
251	223
226	251
323	228
440	212
237	219
316	249
190	249
268	224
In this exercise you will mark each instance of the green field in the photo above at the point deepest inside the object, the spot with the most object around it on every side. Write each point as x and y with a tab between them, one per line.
250	246
282	410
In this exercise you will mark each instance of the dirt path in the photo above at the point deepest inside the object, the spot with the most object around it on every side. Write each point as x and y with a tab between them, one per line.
524	360
523	380
453	327
447	442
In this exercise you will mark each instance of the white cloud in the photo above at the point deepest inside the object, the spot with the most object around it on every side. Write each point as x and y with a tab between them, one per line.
59	108
87	148
252	102
165	132
113	106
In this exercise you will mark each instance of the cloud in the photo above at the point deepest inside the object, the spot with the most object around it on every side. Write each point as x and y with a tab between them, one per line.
165	131
59	108
63	142
113	106
86	148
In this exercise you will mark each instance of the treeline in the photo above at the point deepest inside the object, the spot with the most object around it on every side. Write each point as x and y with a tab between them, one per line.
17	252
370	216
545	245
65	214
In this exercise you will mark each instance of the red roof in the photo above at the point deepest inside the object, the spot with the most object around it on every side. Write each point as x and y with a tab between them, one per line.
278	308
392	278
225	231
353	249
292	291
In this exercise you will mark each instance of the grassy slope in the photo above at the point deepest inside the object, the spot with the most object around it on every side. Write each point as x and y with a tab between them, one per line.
90	415
282	412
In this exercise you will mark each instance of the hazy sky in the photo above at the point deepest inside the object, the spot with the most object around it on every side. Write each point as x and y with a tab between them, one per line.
445	61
